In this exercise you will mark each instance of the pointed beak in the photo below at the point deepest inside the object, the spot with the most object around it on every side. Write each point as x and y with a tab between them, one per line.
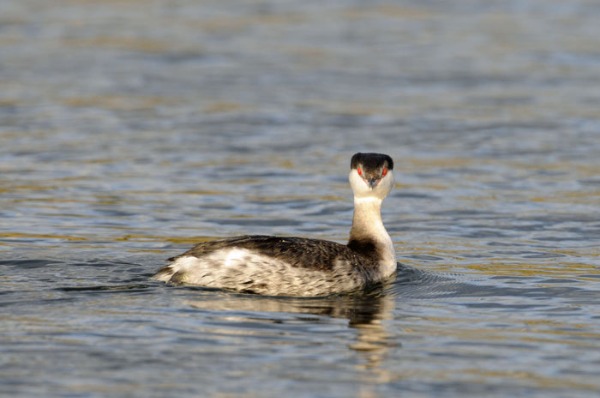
373	182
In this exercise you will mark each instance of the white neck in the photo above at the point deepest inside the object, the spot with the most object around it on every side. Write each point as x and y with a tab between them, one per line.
368	225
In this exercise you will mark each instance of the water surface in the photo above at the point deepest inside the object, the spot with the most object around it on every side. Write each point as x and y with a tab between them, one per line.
129	131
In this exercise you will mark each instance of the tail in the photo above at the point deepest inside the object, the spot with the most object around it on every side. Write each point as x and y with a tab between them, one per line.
164	274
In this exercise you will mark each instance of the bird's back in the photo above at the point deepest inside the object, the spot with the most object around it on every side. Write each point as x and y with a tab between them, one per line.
299	252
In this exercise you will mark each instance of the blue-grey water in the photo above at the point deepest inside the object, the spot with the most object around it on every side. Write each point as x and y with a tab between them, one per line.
131	129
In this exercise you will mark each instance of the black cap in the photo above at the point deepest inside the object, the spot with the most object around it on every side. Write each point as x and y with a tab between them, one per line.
371	161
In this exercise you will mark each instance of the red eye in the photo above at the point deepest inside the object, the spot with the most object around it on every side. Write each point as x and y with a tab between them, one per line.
384	171
359	171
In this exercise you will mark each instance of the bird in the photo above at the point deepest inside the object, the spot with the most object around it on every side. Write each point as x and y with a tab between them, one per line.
297	266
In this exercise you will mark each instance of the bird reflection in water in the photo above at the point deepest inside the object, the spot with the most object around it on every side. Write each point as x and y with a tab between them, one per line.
366	314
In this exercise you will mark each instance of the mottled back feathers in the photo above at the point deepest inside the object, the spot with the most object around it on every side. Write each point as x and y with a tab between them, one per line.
299	252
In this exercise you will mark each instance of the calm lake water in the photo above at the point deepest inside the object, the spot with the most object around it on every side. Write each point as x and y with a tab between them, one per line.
129	130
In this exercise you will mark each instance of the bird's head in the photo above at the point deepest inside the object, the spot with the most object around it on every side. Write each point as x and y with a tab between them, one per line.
371	175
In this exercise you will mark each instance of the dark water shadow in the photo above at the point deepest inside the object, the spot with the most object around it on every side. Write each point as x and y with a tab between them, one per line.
126	288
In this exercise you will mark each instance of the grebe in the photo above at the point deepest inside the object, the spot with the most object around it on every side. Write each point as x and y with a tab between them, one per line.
282	266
